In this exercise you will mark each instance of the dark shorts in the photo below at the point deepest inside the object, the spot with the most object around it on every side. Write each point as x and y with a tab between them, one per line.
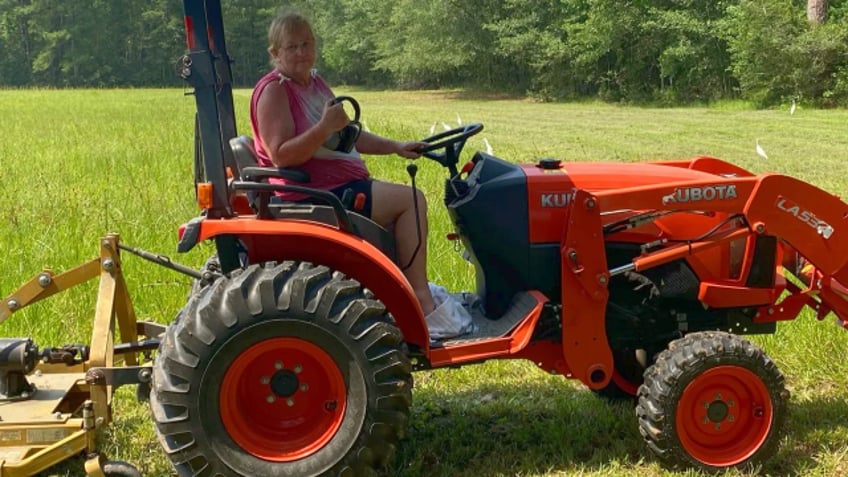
359	197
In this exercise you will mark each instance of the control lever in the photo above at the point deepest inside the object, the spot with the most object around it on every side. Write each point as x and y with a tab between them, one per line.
412	170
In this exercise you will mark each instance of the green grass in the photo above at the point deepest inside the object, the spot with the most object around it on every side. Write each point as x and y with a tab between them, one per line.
76	165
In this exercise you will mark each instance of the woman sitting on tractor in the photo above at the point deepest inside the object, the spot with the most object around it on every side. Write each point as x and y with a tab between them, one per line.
293	114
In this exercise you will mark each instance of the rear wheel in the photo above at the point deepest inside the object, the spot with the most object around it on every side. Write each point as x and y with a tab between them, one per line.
712	400
278	370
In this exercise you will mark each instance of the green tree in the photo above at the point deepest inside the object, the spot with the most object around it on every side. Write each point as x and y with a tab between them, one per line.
637	50
530	36
15	42
433	44
246	23
779	56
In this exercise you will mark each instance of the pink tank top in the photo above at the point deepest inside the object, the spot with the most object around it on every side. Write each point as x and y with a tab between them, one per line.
327	169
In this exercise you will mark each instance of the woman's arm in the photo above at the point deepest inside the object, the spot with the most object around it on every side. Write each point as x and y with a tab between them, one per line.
277	131
369	143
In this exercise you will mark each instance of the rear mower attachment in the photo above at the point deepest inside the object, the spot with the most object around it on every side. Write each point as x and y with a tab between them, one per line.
54	402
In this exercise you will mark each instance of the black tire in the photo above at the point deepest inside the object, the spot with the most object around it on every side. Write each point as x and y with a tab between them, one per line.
281	369
712	400
117	468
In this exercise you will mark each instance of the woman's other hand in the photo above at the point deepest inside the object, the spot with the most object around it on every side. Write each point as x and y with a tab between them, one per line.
409	149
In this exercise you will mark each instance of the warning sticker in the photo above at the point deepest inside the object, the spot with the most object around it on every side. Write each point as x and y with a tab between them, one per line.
36	436
10	436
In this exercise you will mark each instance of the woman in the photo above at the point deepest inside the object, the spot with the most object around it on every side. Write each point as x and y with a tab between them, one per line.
292	115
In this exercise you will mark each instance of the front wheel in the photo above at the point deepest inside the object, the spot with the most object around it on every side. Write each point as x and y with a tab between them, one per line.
712	400
281	369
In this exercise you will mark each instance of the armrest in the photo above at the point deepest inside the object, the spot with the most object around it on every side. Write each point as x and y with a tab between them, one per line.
325	196
255	173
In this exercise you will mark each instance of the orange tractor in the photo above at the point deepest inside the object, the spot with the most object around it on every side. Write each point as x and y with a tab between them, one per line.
296	351
297	357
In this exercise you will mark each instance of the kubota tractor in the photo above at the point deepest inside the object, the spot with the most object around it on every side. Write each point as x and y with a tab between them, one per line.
295	353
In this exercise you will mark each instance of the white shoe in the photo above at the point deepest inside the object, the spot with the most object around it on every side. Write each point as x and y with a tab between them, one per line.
450	318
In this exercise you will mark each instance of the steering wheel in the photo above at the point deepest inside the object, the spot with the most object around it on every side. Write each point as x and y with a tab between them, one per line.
452	142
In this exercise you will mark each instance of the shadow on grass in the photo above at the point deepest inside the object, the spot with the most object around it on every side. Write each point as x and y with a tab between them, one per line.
530	428
816	434
535	429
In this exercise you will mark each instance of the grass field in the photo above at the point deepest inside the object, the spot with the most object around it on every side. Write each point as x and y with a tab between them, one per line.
75	165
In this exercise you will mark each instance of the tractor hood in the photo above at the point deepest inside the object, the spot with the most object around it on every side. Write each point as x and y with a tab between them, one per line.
599	176
551	183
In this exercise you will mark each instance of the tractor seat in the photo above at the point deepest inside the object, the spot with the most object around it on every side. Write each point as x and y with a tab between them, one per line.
253	180
249	170
248	166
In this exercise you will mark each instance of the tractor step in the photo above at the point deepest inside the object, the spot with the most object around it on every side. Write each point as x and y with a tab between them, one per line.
499	338
485	328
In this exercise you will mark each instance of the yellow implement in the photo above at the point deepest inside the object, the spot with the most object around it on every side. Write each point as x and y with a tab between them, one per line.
53	402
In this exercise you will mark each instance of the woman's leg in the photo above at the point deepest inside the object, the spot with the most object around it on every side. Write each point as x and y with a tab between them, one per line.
393	208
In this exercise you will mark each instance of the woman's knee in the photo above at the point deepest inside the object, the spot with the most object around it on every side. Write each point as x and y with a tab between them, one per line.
391	200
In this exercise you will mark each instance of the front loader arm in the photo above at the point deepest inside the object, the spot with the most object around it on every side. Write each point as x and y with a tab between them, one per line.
808	219
801	216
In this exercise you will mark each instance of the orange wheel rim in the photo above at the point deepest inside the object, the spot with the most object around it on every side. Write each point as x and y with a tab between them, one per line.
282	399
724	416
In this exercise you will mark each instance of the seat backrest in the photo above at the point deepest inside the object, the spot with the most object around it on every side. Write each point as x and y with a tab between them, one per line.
244	152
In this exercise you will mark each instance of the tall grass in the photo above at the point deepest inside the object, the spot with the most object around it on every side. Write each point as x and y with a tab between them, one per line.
75	165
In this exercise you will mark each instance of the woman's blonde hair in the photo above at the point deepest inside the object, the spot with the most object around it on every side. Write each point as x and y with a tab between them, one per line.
286	22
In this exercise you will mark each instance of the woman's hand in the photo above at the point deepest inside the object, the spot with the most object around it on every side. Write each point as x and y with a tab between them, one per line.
334	117
409	149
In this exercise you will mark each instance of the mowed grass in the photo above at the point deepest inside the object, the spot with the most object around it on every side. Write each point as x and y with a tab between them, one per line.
75	165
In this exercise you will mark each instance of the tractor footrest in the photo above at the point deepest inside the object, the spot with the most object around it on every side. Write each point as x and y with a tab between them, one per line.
484	328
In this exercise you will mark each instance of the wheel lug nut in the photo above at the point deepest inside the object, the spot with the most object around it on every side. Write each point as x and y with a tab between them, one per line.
270	399
278	365
304	387
298	368
265	380
290	402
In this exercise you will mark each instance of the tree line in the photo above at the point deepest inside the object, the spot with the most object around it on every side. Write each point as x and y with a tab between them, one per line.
668	51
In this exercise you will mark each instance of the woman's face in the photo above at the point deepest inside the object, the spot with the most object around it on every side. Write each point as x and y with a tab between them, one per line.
296	56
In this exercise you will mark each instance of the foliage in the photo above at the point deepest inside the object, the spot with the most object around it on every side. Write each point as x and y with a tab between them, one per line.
778	56
666	51
89	42
529	35
651	50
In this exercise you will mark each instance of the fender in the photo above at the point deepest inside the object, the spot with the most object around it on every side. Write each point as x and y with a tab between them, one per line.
275	240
